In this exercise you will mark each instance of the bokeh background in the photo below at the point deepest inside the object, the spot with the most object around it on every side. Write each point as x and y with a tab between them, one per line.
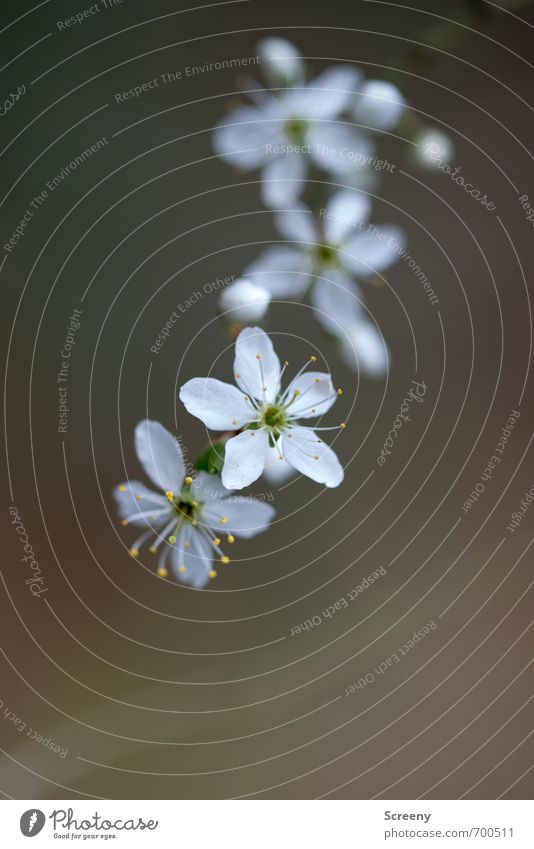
152	689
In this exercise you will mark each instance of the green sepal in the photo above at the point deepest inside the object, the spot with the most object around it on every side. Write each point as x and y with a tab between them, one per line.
212	459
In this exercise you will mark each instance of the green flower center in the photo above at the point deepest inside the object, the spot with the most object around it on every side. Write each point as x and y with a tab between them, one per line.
186	508
326	255
273	417
295	129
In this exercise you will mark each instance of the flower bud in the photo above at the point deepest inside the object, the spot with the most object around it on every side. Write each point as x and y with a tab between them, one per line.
379	105
244	301
282	61
433	148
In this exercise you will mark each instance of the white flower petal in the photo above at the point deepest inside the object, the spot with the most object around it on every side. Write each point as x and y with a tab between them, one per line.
284	271
192	565
363	347
219	405
160	455
303	449
245	300
281	61
243	136
336	300
345	213
244	459
283	180
316	395
296	224
256	365
339	148
133	498
328	94
246	515
207	488
373	251
379	105
277	469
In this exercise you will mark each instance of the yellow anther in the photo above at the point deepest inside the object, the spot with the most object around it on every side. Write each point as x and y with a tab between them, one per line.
258	356
342	425
296	393
134	552
138	497
339	392
194	522
225	559
172	539
286	363
152	549
162	572
213	573
313	359
216	541
187	544
189	480
181	569
124	522
223	520
194	503
317	379
230	538
122	488
170	495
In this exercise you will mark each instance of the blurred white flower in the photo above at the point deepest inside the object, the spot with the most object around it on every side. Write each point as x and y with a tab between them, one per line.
433	148
329	250
378	105
184	517
245	301
284	131
281	61
264	416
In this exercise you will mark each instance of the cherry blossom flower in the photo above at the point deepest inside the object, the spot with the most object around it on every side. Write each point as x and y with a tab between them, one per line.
325	254
184	518
265	416
286	130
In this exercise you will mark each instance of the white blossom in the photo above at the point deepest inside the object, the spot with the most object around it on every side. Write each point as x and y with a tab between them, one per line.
184	518
263	415
325	254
